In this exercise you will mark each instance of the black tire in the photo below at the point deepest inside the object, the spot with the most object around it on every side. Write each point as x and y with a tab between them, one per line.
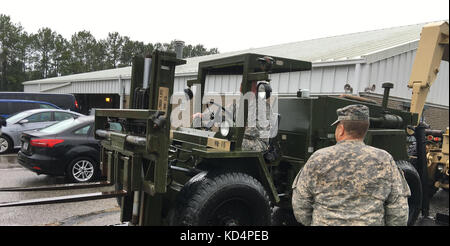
415	185
223	199
85	165
6	144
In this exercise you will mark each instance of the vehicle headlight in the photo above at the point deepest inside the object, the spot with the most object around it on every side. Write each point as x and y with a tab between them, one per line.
225	128
264	90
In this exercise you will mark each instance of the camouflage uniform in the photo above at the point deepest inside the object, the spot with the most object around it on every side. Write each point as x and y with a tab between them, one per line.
351	184
256	134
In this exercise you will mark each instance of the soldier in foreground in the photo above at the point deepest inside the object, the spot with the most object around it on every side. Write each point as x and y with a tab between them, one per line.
350	183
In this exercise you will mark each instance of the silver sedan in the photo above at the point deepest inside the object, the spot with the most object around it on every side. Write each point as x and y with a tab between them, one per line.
34	119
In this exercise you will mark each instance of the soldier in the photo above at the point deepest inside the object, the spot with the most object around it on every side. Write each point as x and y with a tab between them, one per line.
350	183
256	134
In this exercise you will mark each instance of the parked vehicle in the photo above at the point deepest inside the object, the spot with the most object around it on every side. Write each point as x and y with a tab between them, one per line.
10	107
67	148
64	101
30	120
2	123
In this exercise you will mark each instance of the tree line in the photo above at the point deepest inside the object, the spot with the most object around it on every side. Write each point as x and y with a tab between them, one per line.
45	54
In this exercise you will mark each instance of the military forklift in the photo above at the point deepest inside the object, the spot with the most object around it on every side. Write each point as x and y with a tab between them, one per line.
189	176
201	174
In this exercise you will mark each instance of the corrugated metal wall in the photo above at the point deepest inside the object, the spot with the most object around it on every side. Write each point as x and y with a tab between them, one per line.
318	80
323	79
397	70
81	87
31	88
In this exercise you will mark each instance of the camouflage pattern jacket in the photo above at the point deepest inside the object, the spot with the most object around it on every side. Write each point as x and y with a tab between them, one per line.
350	184
257	132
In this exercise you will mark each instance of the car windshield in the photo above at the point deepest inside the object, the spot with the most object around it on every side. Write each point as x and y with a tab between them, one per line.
60	126
14	118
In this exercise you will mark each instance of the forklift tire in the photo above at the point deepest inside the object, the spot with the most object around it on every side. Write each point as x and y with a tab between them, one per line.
415	200
223	199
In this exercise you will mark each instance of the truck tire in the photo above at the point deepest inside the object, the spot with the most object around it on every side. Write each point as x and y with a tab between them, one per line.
223	199
415	200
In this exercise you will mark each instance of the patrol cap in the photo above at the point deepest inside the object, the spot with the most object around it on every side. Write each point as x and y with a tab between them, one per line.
352	112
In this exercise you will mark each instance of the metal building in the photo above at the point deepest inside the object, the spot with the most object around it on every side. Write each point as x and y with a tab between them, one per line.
360	62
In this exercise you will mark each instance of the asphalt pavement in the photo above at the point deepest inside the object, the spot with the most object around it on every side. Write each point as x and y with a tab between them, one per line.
87	213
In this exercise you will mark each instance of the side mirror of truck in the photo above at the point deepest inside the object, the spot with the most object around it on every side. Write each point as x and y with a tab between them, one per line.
189	93
264	90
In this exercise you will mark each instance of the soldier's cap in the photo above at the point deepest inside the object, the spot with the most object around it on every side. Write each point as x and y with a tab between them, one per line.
352	112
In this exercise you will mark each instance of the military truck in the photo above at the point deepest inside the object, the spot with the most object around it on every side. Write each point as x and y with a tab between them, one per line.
189	176
203	175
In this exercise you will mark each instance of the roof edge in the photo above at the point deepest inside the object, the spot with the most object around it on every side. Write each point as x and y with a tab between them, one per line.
338	62
36	82
391	51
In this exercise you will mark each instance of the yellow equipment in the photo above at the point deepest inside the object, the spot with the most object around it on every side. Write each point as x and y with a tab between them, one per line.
431	157
433	47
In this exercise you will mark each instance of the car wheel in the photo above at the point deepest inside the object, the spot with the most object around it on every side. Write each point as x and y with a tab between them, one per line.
82	170
5	144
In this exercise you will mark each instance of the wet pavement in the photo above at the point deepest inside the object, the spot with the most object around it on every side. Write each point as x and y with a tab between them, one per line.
8	161
99	212
87	213
439	204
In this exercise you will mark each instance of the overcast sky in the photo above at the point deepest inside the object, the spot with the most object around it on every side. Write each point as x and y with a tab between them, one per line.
228	25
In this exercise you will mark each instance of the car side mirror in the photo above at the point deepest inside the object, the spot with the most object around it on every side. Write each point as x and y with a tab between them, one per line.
23	121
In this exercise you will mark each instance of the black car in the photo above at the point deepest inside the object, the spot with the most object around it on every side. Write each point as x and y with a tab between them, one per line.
67	148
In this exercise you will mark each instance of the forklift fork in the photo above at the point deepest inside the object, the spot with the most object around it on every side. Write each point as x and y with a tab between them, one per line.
65	199
58	187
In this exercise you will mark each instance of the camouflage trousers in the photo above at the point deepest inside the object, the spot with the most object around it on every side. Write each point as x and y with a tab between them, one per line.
254	144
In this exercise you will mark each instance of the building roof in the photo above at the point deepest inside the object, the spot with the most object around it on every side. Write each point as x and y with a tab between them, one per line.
97	75
361	47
